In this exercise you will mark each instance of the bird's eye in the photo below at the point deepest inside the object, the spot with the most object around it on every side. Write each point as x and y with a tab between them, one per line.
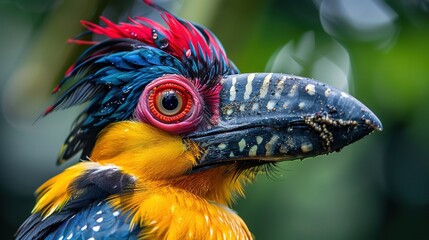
169	102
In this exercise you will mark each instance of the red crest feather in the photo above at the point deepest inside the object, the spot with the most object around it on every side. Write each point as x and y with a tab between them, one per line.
180	38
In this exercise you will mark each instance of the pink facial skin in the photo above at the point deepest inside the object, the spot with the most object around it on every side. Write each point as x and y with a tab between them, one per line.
189	123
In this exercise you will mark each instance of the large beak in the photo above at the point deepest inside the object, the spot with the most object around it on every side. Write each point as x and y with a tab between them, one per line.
276	117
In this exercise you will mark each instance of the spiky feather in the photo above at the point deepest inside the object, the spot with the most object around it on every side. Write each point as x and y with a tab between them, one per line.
111	74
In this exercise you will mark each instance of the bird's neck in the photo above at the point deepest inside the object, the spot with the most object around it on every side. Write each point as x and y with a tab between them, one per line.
220	185
174	212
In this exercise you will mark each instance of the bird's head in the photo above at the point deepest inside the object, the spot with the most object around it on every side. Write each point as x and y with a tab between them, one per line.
166	104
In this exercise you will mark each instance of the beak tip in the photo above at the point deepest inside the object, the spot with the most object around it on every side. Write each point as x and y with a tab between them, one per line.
374	122
378	127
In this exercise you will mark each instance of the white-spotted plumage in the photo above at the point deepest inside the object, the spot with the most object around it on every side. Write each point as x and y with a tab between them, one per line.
69	236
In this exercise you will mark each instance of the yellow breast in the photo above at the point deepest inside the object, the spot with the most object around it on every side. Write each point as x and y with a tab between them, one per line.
171	213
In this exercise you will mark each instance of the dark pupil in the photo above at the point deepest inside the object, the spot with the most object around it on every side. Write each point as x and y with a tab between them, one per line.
170	101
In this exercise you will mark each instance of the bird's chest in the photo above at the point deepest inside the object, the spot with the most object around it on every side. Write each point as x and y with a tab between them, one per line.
168	216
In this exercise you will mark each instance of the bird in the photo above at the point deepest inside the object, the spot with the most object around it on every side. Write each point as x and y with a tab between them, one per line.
172	132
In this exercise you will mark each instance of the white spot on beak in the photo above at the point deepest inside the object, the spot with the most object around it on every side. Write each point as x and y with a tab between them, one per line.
242	144
293	90
310	89
221	146
264	88
306	147
327	92
269	147
271	104
286	104
232	91
249	86
280	86
242	107
255	106
252	151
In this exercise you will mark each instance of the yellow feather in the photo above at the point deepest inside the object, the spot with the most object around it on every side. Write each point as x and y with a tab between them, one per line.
167	202
144	151
54	194
167	212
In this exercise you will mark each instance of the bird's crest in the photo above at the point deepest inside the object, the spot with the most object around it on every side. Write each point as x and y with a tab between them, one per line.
111	74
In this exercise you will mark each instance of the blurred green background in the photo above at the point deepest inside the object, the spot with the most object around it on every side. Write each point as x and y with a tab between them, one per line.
377	188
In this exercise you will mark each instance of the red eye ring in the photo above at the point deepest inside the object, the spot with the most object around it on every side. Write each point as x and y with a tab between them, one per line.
182	120
156	98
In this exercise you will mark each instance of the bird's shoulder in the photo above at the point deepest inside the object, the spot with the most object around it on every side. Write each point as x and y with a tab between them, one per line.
75	207
99	220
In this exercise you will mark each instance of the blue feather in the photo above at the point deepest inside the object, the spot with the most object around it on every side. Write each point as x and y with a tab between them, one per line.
98	221
86	214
